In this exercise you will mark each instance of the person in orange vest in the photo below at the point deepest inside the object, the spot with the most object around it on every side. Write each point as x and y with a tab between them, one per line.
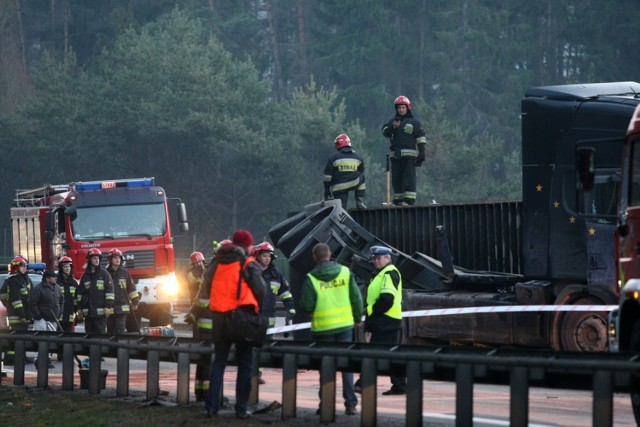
231	268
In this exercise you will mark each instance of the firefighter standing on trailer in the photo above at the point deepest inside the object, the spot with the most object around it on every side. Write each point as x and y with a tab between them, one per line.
344	172
408	143
69	287
96	294
200	319
15	296
125	293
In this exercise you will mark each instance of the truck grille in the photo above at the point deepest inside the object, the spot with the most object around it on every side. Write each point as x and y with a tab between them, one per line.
140	259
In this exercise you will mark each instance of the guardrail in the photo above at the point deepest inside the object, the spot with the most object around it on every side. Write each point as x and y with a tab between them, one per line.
603	373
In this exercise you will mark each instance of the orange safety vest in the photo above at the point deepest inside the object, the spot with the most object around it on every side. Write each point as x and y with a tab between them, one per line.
224	288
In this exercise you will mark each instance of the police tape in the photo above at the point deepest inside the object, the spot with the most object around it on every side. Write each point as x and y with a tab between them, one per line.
470	310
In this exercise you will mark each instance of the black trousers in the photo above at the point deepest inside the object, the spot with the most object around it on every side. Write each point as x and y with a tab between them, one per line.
403	180
390	337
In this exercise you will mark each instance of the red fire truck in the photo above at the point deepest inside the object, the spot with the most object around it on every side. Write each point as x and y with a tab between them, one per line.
129	214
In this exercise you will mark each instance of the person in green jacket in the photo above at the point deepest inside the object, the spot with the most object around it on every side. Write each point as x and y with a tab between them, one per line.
330	295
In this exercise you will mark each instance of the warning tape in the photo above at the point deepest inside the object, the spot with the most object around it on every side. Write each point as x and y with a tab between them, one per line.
470	310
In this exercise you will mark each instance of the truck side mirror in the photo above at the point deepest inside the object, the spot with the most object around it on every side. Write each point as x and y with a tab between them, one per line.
182	217
585	168
50	228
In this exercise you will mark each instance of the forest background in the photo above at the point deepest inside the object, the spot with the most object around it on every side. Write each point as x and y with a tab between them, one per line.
233	105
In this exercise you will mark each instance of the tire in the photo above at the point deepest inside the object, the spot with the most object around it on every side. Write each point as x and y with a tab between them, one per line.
634	344
158	314
583	330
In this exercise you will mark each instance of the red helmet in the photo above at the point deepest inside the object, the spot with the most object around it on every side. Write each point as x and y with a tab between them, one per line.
343	140
196	257
263	247
94	252
65	260
114	252
16	262
402	100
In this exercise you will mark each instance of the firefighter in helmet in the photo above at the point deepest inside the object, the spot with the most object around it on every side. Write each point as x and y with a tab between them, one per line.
200	320
96	294
277	287
14	294
125	294
69	287
344	172
408	143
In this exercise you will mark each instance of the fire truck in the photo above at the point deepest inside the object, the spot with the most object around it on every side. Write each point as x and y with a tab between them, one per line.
129	214
554	247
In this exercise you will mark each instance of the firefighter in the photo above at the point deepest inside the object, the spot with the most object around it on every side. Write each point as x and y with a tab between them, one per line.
276	282
408	143
384	308
200	320
344	172
125	293
96	294
16	291
69	287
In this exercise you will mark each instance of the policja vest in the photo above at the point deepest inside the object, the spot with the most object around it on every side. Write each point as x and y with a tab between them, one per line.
382	283
333	304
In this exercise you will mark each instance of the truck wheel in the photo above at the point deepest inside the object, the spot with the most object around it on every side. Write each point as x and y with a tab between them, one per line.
583	330
635	345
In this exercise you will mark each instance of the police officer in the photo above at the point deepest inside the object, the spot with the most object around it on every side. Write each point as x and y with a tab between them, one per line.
384	308
125	293
344	172
96	294
200	319
408	144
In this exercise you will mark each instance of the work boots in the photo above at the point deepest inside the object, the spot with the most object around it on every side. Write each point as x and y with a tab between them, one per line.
360	203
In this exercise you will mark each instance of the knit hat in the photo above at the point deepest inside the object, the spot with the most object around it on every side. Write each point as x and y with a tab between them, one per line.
242	238
49	273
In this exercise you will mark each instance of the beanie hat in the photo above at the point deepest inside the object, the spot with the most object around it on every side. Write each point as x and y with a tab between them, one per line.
49	273
242	238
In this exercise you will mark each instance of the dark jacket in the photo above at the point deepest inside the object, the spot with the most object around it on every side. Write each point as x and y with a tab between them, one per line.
344	171
125	293
45	302
96	293
326	272
277	286
69	287
18	288
407	139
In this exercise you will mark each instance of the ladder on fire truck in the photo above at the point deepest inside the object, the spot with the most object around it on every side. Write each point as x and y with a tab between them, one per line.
34	197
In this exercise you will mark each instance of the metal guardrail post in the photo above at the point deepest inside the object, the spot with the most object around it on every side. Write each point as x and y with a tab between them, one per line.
95	368
19	359
464	395
368	382
602	399
182	389
415	396
67	367
153	374
43	365
519	407
289	385
122	373
328	389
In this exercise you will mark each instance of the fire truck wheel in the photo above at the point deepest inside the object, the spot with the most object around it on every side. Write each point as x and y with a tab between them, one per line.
160	315
583	330
634	344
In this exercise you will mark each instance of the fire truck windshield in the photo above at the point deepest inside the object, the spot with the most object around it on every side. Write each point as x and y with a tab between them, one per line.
119	222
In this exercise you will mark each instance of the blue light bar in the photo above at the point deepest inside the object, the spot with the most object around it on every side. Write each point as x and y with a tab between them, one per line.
130	183
36	266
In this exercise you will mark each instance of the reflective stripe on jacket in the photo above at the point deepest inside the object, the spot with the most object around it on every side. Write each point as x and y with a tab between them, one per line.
333	305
